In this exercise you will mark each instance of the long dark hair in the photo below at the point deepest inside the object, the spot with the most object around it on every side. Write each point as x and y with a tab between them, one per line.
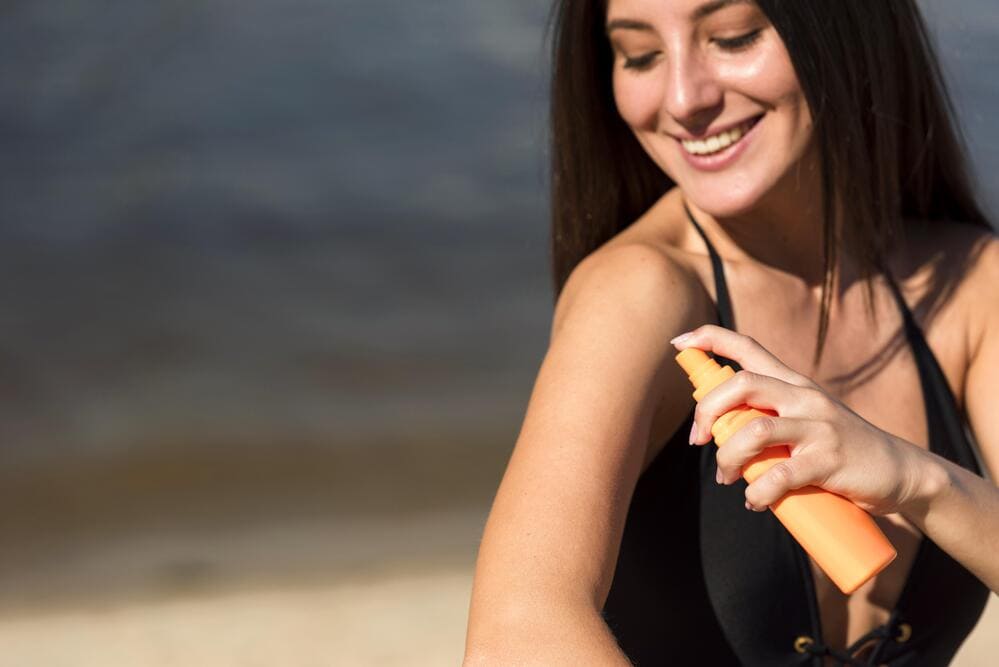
883	123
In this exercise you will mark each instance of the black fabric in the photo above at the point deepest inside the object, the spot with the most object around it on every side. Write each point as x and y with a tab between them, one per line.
700	580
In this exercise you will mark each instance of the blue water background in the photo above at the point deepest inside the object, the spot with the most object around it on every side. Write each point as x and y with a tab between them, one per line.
261	222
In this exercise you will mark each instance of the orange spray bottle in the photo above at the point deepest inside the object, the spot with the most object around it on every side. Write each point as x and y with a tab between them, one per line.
840	537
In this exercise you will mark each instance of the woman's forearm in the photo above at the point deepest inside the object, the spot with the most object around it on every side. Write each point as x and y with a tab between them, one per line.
959	511
553	636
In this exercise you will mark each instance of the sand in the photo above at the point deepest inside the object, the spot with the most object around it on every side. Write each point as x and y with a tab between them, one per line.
398	618
414	619
277	570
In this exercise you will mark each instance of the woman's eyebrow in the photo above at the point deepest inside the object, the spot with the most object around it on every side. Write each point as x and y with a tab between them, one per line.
628	24
709	8
700	13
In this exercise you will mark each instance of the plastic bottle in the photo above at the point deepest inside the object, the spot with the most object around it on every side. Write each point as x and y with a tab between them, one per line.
842	539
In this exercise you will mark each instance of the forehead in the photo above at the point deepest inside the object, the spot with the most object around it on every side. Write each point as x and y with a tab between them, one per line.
688	10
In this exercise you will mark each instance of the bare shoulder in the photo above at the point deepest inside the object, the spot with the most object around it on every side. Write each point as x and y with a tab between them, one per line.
954	268
949	273
981	281
643	283
979	293
980	391
950	250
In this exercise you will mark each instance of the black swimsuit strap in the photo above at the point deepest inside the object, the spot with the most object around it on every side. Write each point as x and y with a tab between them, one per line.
942	410
730	574
726	316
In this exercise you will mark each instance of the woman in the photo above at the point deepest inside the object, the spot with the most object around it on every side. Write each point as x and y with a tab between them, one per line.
780	179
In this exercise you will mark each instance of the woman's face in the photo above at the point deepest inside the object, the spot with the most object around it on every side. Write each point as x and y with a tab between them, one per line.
709	91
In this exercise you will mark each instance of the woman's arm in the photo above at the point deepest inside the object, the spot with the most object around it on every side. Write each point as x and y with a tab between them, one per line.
959	510
550	545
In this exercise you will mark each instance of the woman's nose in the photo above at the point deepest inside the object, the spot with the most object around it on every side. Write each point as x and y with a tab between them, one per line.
693	94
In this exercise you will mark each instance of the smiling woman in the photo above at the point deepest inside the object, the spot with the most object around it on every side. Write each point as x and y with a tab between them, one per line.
796	159
715	92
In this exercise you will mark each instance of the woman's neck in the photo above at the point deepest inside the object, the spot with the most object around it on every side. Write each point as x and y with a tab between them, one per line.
783	232
783	241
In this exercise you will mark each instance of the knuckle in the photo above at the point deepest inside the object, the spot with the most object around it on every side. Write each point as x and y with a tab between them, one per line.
744	378
728	465
818	402
721	458
826	432
821	468
837	458
762	428
782	473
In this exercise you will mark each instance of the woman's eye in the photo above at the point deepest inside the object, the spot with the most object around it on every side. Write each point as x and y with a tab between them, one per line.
641	62
738	43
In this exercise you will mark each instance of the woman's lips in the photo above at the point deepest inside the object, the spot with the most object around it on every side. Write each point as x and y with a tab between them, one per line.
720	150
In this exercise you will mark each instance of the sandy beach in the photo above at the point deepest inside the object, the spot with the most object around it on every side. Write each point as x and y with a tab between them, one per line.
397	618
310	559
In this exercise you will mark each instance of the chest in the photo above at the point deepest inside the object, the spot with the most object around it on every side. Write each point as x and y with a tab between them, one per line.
883	386
868	360
868	364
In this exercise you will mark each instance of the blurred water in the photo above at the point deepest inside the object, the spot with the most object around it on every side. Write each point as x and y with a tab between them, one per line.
262	221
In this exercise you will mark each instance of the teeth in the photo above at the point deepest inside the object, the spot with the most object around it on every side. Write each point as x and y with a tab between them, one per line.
717	142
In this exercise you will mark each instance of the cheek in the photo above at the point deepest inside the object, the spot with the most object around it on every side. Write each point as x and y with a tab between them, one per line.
786	91
797	125
771	81
638	101
768	76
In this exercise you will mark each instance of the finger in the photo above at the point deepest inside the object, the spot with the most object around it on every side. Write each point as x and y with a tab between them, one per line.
740	348
755	437
760	391
785	476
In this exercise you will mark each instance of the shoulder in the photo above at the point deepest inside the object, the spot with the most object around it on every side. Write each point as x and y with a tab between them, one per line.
981	294
981	247
980	288
926	242
952	268
611	330
644	283
949	273
958	248
642	273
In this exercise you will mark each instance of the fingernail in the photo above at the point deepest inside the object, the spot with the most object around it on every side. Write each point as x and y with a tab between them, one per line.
718	476
748	506
693	433
681	338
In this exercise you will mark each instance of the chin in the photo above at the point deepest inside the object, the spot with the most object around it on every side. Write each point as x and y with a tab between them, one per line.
724	198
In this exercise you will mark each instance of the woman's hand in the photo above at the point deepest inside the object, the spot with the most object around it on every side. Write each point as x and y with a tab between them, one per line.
831	446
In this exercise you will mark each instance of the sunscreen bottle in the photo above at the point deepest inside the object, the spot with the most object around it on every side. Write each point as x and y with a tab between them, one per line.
840	537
